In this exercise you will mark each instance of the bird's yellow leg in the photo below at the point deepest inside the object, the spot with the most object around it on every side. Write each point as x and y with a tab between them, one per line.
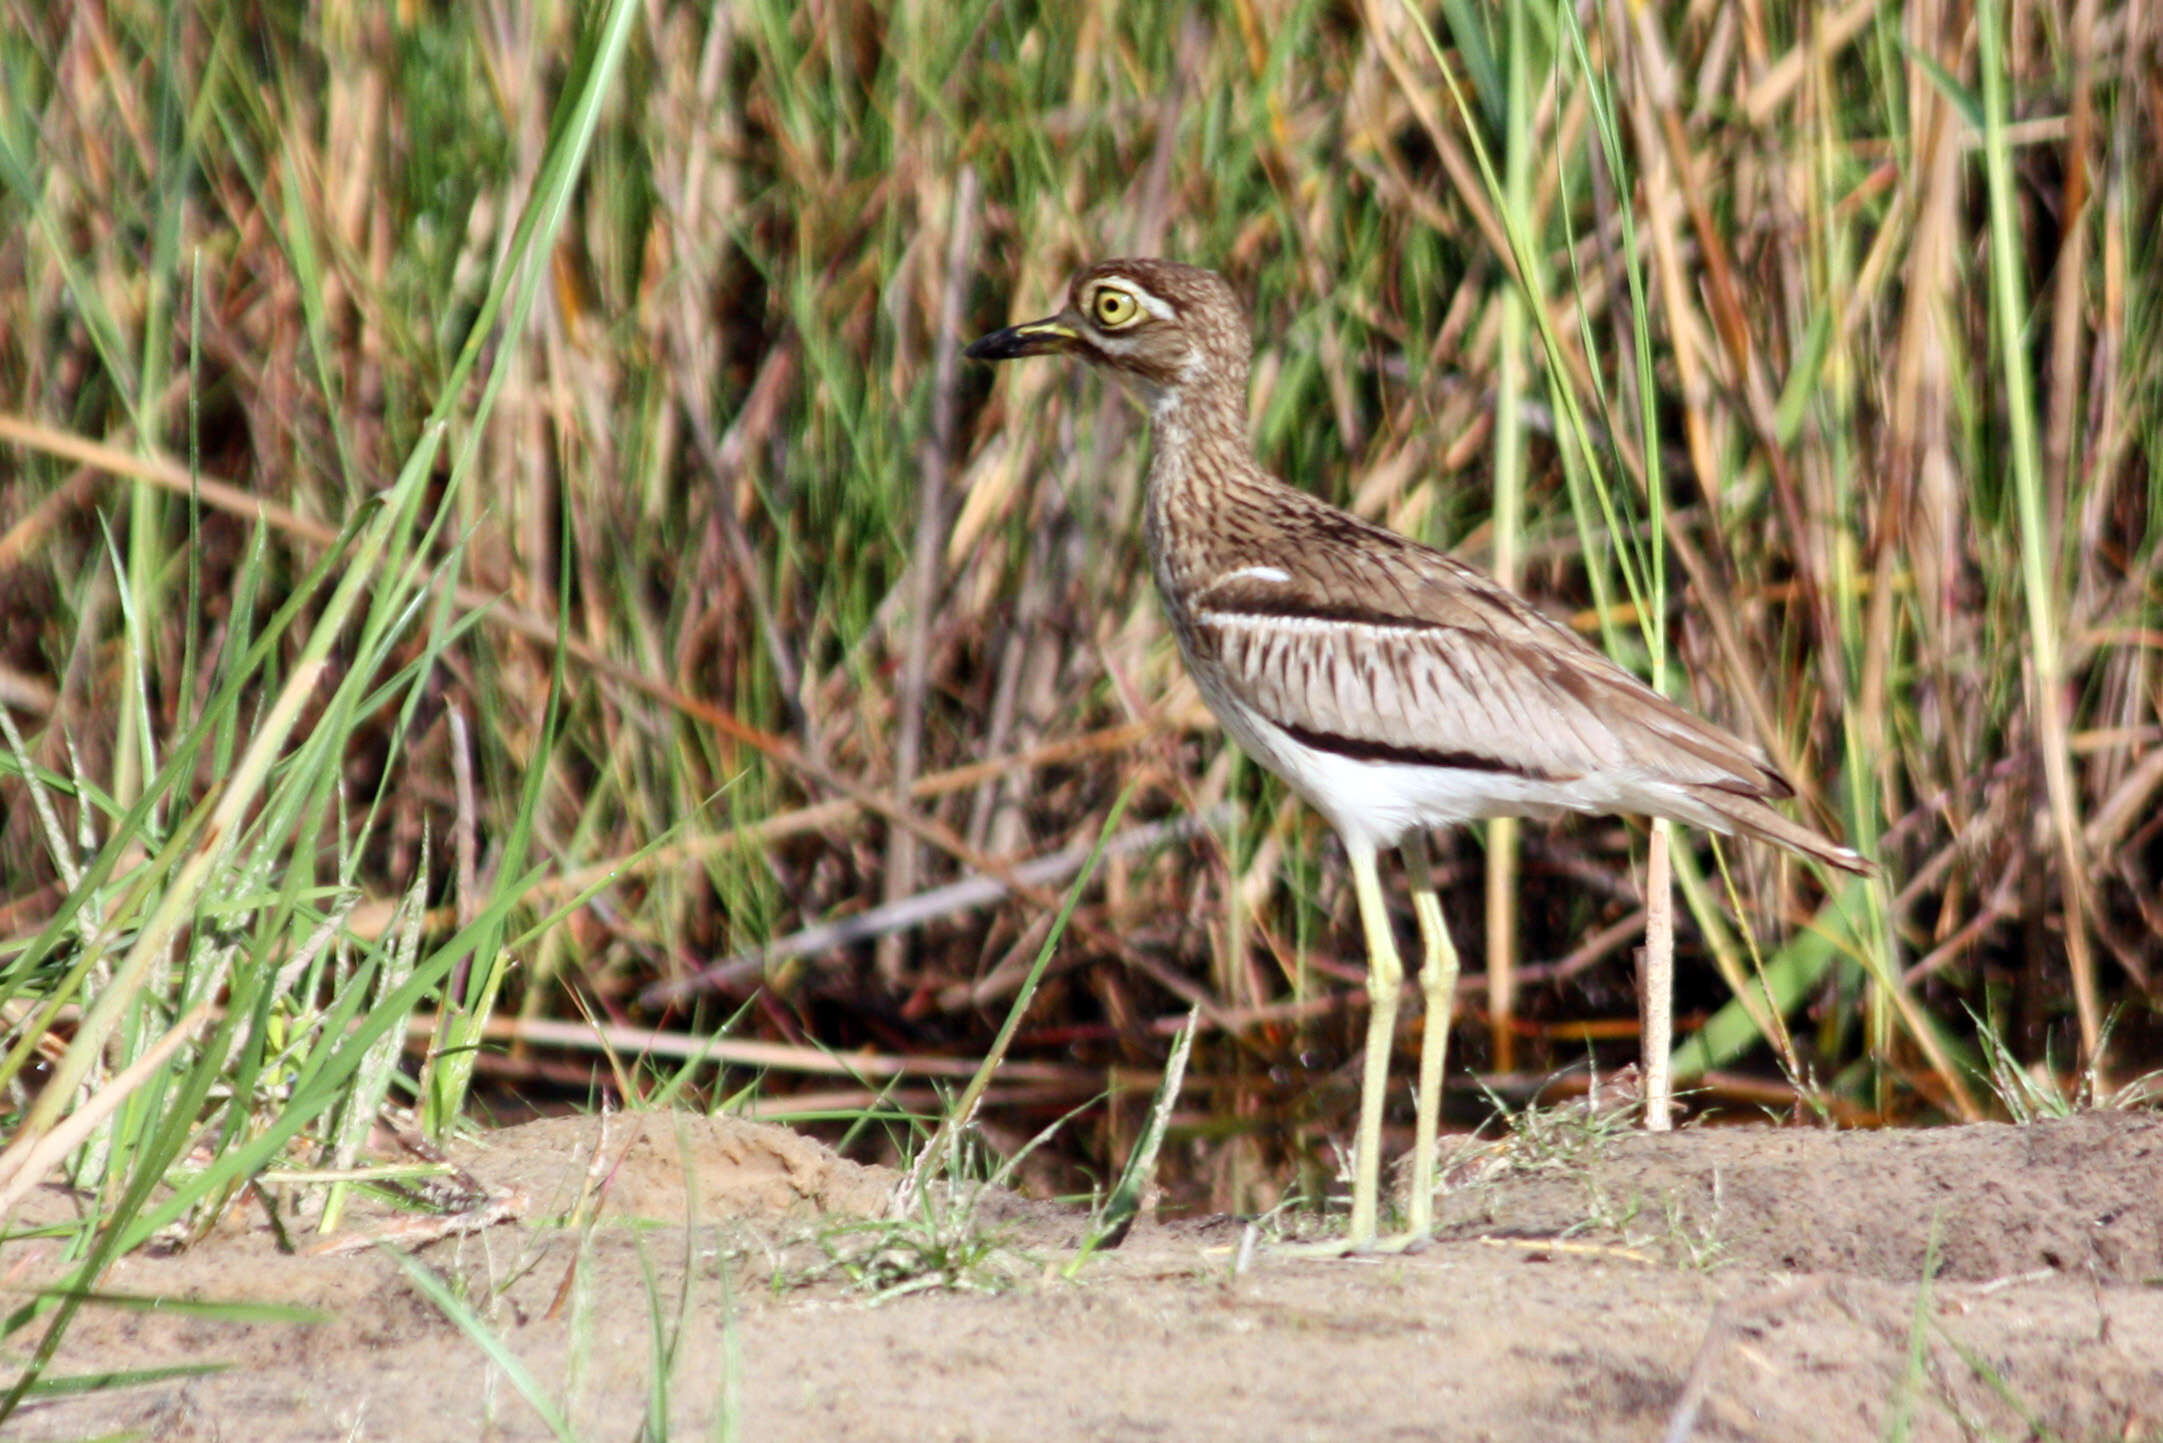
1438	984
1385	978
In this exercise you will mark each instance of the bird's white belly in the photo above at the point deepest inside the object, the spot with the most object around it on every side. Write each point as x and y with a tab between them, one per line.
1378	802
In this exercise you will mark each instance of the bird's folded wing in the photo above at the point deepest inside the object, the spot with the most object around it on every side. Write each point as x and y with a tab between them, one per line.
1404	654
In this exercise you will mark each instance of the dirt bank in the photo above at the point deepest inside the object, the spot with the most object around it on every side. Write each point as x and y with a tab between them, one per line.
1777	1277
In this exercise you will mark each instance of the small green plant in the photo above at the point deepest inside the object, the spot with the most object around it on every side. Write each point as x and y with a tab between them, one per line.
937	1238
2027	1095
1109	1227
2031	1094
1565	1136
1677	1233
1573	1138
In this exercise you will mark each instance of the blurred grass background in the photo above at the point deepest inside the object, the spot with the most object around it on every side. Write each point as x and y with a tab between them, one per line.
497	541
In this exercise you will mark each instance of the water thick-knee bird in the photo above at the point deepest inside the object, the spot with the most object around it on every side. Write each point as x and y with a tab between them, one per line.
1392	687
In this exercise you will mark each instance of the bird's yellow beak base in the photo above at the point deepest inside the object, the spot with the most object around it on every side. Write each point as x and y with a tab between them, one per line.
1031	338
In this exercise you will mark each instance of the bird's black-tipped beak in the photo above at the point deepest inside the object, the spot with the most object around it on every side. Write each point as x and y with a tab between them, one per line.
1031	338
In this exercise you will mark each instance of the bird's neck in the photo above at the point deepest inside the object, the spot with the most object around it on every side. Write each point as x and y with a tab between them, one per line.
1201	470
1199	440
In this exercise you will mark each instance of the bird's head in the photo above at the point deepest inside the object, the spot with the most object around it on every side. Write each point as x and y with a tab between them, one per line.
1172	330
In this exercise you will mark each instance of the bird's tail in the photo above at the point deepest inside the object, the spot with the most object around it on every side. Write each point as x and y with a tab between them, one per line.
1746	815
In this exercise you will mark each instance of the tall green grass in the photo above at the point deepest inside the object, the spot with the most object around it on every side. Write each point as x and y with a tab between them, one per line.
196	1000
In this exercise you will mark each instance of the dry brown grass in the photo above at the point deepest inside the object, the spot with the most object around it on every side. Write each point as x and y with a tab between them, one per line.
845	621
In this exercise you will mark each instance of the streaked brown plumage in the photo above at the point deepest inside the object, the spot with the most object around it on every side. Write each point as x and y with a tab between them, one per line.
1392	687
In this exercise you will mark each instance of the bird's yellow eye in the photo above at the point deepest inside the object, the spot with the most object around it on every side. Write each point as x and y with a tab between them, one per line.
1114	309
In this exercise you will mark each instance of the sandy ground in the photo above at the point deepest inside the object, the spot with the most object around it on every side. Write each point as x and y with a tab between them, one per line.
1732	1283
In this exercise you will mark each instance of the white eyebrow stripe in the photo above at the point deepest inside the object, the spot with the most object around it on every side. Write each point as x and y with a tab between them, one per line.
1162	310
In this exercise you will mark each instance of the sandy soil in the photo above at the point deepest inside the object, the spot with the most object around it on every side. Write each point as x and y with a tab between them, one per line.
1740	1283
